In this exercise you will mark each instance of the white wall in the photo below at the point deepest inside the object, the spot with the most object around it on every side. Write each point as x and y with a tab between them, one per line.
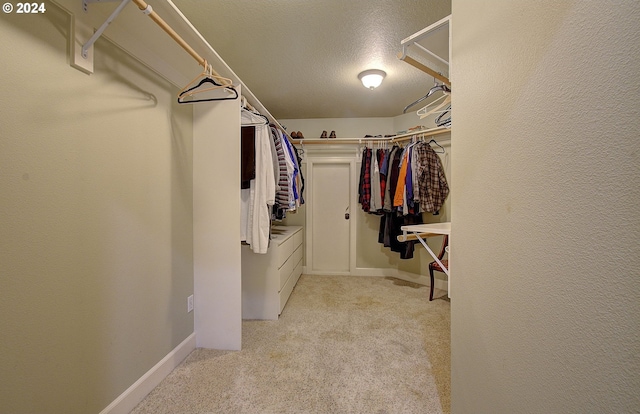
95	220
216	225
545	280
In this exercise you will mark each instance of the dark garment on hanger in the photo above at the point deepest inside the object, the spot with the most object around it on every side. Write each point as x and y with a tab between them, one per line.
383	175
390	229
364	192
247	155
299	157
387	203
277	213
409	184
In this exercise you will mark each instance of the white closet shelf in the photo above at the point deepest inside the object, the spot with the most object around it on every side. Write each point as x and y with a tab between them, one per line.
393	139
431	35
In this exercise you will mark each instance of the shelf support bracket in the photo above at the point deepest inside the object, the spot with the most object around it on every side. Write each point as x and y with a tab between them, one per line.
101	29
81	29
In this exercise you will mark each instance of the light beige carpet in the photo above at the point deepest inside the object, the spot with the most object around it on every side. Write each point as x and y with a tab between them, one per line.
342	345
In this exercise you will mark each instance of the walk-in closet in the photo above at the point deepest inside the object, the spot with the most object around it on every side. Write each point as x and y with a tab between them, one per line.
271	207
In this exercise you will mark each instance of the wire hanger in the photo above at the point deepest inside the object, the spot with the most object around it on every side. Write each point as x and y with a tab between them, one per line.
436	87
207	77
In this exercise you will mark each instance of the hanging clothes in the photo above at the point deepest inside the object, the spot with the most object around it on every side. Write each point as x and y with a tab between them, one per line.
390	229
292	172
260	196
382	160
373	180
247	155
433	187
364	189
376	200
290	182
392	168
300	175
282	193
400	190
401	184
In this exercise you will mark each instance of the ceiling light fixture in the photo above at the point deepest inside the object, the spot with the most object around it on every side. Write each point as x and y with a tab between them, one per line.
372	78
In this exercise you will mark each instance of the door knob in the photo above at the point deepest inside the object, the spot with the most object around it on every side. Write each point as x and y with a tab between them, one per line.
346	213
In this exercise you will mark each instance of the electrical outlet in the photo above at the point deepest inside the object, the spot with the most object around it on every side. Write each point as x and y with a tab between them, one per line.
190	304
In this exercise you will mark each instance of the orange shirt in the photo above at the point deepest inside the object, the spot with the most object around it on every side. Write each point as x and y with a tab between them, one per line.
398	197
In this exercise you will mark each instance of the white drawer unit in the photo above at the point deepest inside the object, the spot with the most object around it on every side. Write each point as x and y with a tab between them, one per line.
268	279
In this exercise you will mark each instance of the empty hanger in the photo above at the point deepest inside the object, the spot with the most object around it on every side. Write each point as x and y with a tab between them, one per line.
436	88
429	109
207	78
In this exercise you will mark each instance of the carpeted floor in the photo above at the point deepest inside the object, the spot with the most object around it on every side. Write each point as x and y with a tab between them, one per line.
342	345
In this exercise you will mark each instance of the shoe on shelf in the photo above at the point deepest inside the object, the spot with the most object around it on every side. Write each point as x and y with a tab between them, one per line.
300	136
324	134
294	134
333	134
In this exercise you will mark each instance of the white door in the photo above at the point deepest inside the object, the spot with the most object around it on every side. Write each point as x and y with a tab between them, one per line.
329	216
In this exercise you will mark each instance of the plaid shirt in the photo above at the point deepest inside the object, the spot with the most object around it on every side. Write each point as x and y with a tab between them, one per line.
432	182
365	180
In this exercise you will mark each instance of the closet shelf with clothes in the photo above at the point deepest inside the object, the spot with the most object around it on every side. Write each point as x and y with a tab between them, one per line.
394	139
407	180
271	179
400	184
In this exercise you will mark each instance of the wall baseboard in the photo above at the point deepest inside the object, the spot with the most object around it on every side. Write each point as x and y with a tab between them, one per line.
422	279
389	272
143	386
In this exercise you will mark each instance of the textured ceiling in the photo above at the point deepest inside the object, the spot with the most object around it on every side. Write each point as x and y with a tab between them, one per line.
301	58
